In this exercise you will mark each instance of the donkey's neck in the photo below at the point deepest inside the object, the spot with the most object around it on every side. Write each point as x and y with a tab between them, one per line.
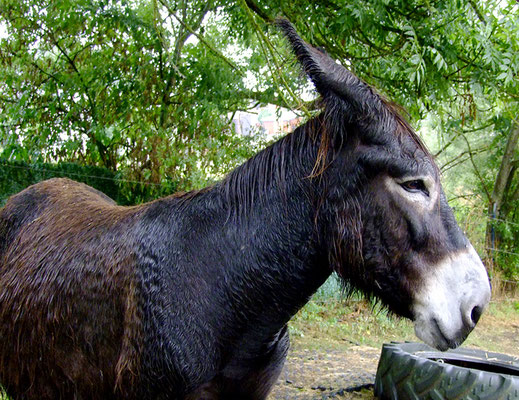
242	257
277	263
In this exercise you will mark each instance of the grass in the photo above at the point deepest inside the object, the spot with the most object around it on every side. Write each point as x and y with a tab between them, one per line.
339	323
329	322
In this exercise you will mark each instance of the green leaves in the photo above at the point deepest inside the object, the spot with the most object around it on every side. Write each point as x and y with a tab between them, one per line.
115	84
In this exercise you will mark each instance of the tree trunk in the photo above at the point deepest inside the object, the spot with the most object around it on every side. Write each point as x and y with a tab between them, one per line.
502	185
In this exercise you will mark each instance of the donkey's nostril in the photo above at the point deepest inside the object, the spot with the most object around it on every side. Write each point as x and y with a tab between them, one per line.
476	314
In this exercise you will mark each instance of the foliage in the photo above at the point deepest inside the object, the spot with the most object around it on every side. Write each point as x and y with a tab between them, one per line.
16	176
116	85
421	53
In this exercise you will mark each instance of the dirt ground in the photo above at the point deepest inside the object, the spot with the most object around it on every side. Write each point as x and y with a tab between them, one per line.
348	372
342	374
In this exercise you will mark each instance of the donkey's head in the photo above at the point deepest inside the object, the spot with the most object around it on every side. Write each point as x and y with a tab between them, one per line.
384	217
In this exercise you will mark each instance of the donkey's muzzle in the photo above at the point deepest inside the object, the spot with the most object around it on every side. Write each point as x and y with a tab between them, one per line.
451	300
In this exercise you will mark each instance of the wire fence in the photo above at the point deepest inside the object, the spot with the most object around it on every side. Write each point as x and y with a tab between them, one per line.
53	172
5	164
502	220
76	174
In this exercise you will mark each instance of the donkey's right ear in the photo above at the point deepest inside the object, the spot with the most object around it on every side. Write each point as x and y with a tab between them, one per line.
332	78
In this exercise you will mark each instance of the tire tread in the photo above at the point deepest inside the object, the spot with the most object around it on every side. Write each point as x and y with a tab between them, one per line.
403	375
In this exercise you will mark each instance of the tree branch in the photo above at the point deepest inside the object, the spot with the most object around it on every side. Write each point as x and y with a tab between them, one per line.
457	160
202	40
515	196
256	9
476	170
265	42
478	13
505	166
263	98
453	139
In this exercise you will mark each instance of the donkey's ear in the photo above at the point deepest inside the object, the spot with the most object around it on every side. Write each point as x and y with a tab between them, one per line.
331	78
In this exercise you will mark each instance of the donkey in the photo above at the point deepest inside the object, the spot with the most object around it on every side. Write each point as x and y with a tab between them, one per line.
188	297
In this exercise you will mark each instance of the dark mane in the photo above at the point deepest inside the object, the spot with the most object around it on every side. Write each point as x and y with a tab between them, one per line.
316	141
268	170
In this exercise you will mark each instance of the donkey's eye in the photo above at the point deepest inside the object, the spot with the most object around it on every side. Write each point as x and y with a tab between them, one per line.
414	186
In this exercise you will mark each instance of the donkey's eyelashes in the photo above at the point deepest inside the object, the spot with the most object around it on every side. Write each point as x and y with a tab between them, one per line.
415	186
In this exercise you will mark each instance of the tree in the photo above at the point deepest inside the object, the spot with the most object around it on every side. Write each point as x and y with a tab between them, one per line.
119	85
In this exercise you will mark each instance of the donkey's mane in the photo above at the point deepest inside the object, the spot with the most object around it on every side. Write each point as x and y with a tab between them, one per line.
404	129
313	143
268	169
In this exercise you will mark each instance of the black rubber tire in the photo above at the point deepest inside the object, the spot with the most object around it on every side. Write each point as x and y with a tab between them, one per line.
417	371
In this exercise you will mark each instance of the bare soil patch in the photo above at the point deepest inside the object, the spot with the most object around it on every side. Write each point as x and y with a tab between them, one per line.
345	374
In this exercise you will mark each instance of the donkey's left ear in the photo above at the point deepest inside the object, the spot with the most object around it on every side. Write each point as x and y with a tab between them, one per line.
331	78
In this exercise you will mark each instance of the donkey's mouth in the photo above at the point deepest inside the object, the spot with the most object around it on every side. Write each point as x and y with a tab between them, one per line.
444	343
453	294
432	333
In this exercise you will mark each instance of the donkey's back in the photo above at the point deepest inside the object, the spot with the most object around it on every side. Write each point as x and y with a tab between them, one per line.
54	194
67	292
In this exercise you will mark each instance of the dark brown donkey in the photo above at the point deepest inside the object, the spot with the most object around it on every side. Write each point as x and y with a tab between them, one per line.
188	297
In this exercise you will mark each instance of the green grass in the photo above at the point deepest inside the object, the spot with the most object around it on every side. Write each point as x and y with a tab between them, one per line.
328	321
347	323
